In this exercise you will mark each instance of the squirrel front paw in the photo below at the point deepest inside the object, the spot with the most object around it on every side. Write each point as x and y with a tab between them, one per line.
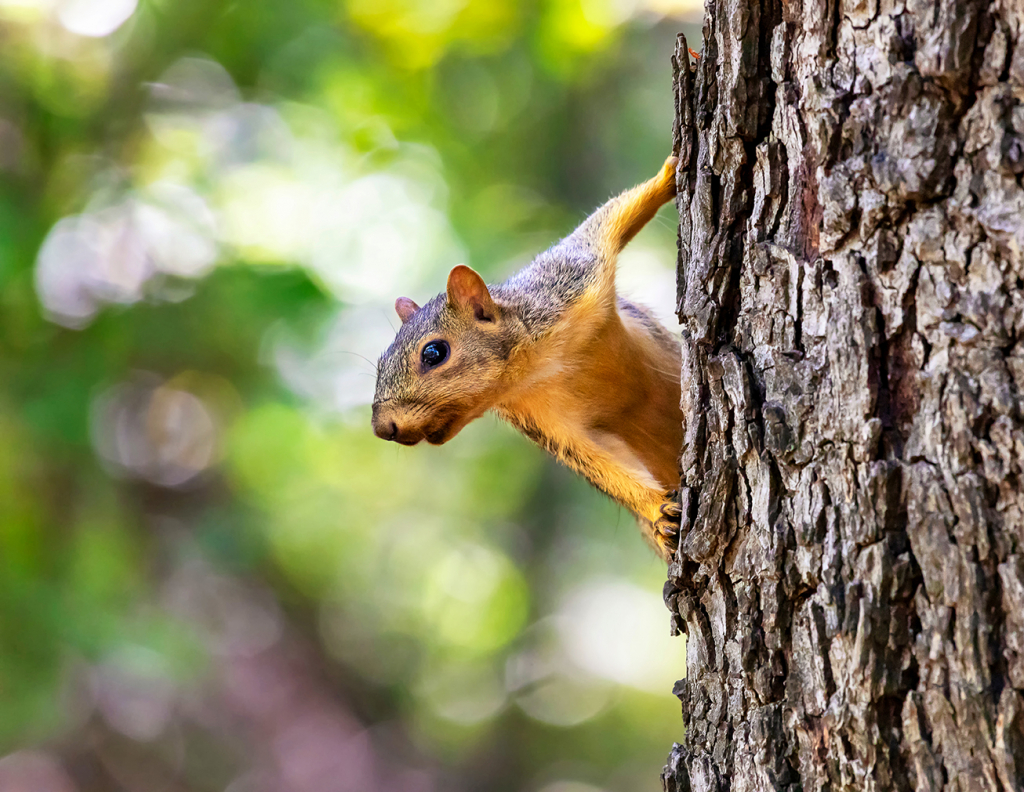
666	527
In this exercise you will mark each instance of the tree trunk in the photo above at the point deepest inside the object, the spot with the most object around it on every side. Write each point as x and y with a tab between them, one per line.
851	290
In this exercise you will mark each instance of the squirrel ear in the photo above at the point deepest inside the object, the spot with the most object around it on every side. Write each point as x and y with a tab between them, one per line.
467	289
405	308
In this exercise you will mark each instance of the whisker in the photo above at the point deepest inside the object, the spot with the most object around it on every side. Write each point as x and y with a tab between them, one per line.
663	372
328	353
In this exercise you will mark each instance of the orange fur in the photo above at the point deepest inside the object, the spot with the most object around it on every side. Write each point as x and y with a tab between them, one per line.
608	408
636	207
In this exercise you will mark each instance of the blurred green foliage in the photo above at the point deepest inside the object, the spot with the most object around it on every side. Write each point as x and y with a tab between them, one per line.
212	575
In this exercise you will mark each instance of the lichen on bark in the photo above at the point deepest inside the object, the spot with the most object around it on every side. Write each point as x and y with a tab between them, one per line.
850	574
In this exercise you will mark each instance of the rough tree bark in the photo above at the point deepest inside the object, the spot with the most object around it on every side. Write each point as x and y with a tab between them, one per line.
851	290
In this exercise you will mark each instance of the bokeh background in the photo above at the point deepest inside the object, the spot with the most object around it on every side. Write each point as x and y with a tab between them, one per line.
212	575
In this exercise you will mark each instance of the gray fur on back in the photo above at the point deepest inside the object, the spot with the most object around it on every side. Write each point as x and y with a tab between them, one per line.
540	292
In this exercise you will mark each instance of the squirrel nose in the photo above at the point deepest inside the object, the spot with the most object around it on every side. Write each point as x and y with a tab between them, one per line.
385	430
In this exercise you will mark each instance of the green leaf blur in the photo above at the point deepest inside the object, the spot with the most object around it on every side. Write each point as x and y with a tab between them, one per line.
212	575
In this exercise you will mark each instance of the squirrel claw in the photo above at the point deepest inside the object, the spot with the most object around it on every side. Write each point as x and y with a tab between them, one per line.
666	541
671	511
666	527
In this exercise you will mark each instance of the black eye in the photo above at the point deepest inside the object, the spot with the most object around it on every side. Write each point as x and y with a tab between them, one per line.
435	353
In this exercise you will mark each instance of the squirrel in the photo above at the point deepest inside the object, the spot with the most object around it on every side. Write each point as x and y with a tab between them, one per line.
588	376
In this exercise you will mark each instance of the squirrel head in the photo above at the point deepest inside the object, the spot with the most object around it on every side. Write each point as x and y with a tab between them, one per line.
446	364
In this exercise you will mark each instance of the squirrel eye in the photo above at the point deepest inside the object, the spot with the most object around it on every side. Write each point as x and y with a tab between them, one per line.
435	353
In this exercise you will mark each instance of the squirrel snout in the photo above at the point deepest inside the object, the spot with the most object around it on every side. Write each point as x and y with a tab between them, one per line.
385	428
391	424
